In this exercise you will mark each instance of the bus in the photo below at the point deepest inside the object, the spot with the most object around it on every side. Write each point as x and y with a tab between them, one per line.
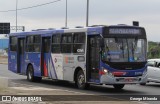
105	55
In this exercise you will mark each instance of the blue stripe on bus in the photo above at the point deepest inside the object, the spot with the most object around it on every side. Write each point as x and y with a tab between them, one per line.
129	72
53	67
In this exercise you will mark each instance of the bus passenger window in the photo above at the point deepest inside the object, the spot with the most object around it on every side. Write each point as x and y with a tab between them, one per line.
67	42
56	48
36	48
33	43
13	43
79	43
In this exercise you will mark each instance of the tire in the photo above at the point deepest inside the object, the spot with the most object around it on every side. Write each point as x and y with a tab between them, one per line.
143	84
80	81
30	73
38	79
118	86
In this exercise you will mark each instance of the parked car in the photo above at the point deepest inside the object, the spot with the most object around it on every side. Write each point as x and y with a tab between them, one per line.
153	71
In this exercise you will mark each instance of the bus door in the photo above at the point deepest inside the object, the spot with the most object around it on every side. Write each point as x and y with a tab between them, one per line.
93	58
20	56
45	55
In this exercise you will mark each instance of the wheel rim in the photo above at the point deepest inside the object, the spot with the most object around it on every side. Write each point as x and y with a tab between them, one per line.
81	80
30	75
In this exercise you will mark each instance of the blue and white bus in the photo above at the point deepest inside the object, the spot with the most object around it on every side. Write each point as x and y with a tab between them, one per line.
112	55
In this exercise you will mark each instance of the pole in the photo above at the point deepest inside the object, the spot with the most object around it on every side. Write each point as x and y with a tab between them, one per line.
87	15
16	13
66	14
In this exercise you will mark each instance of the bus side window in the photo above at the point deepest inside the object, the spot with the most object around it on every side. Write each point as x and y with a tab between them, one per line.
33	43
56	41
36	48
67	41
29	44
36	43
79	43
46	45
13	43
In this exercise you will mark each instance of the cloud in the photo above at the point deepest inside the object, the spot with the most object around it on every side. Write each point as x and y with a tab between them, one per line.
106	12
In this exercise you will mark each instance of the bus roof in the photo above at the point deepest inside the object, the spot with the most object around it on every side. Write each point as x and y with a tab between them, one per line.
91	30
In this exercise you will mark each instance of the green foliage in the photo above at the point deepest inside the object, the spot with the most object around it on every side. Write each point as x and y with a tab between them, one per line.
153	49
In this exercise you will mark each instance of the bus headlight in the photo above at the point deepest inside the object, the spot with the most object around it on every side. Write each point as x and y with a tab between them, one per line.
105	71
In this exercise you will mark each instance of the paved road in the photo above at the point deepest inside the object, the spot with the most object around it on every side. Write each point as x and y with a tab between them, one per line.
149	89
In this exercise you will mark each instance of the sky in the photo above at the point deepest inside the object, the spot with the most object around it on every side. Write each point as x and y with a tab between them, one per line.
101	12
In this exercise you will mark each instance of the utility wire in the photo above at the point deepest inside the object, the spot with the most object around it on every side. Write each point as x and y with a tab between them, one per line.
32	6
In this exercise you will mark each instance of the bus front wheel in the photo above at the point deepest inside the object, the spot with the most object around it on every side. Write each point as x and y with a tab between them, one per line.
118	86
143	84
80	81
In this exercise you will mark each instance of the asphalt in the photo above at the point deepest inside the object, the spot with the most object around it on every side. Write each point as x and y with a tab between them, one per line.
50	87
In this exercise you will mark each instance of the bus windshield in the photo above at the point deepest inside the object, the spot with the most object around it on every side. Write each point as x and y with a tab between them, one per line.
124	50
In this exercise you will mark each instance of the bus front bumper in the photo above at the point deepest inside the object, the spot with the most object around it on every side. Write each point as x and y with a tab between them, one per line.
109	79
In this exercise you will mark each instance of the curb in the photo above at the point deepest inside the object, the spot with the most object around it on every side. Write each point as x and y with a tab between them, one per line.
3	62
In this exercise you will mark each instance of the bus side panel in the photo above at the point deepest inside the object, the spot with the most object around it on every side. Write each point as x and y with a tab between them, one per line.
34	59
57	65
49	69
22	64
71	63
12	61
69	66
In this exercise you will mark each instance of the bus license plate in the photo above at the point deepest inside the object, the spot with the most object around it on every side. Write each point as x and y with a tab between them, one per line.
129	80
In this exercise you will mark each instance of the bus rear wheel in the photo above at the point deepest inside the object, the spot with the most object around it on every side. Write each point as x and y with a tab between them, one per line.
118	86
30	75
80	81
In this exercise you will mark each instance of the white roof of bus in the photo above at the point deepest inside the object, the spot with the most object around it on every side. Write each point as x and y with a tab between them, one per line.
75	30
40	31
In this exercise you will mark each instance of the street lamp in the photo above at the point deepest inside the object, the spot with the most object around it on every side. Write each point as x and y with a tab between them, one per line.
16	13
87	15
66	14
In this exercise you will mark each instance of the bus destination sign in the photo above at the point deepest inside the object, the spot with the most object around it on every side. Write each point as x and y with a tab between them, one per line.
124	31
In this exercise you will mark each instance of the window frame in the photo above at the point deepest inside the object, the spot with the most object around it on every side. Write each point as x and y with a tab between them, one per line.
57	36
79	43
33	44
67	43
13	44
